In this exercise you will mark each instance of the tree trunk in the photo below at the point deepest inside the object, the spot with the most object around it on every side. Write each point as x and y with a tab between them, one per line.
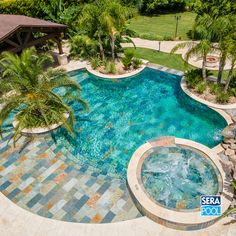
102	54
112	42
221	69
230	76
204	76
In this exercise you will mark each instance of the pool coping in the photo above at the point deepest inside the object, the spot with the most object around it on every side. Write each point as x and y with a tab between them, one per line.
39	130
182	220
110	76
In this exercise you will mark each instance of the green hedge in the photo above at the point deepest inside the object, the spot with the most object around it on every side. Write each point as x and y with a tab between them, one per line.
22	7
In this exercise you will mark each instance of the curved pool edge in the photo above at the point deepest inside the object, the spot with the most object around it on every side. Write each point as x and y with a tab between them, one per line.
124	76
167	217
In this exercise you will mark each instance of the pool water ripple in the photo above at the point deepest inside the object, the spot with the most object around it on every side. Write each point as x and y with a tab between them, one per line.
126	113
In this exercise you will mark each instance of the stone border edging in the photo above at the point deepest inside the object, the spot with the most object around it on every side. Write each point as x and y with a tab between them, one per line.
162	215
104	76
210	104
39	130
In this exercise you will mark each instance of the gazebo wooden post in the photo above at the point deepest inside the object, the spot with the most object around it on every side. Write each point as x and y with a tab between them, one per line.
59	45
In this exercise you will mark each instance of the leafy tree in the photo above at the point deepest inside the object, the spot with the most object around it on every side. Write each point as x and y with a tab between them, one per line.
60	12
30	8
214	8
158	6
32	95
231	47
105	21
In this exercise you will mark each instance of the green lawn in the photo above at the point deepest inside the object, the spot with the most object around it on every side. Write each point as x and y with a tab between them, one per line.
157	27
172	61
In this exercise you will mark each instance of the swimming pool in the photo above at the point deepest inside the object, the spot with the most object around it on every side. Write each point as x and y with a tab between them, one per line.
127	112
175	189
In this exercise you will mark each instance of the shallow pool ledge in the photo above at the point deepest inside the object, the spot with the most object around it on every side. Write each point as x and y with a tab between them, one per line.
181	220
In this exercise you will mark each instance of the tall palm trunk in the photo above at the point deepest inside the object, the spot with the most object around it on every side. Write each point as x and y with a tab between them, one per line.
230	76
204	74
102	54
112	43
221	68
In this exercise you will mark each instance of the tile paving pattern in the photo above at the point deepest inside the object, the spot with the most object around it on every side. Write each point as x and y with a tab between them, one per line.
39	177
44	178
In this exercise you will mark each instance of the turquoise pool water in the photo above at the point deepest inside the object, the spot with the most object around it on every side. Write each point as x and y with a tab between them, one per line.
126	113
172	188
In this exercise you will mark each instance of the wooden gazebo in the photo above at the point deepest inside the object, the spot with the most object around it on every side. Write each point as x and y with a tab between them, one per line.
18	32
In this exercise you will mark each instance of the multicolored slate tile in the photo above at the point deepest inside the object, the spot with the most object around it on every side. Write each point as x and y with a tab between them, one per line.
42	179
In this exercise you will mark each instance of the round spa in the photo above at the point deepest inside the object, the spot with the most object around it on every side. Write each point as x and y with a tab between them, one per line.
167	177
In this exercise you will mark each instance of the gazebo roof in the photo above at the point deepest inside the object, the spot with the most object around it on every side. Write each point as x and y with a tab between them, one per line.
9	24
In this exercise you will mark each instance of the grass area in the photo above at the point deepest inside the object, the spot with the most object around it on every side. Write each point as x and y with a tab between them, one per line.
158	27
172	61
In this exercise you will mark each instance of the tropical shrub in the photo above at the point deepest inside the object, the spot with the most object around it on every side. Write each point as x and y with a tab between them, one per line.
95	62
151	36
201	87
33	96
168	38
231	210
232	91
222	97
136	62
128	57
83	47
214	88
193	77
110	67
232	83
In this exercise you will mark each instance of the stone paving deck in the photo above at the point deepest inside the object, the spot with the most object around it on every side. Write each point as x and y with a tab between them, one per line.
42	179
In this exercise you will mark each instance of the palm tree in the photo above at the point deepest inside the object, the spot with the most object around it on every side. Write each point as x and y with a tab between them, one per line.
232	55
221	30
105	19
91	20
217	30
202	49
32	92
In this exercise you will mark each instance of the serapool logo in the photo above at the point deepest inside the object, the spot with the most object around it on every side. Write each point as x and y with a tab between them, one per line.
210	205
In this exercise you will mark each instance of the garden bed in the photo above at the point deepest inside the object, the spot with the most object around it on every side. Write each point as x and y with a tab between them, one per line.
118	69
100	72
208	96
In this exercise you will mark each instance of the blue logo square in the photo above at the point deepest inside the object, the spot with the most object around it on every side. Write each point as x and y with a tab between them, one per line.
210	200
211	211
210	205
